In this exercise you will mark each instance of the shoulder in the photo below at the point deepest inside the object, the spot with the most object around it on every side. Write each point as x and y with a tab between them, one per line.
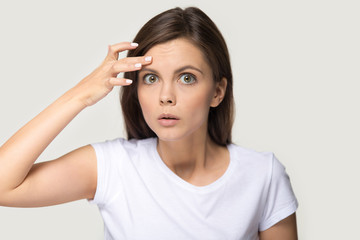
119	143
121	146
118	159
249	157
263	166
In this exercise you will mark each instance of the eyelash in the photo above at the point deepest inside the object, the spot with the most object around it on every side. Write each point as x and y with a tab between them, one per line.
192	76
146	77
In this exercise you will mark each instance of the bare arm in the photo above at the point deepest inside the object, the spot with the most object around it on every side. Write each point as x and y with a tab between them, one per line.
72	176
283	230
68	178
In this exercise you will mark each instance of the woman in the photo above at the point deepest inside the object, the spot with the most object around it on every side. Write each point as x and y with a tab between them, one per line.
178	176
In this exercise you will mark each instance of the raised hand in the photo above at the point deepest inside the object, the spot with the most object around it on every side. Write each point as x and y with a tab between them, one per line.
102	80
72	176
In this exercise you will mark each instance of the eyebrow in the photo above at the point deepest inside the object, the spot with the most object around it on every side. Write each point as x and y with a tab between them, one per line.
176	71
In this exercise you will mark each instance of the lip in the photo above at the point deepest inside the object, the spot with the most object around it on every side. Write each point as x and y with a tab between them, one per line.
168	120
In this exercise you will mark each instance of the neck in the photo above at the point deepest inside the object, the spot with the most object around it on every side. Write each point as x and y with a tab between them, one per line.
188	157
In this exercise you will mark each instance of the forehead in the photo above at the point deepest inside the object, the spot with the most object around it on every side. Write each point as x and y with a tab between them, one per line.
177	52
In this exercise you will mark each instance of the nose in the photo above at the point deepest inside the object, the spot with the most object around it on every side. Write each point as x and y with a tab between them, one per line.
167	96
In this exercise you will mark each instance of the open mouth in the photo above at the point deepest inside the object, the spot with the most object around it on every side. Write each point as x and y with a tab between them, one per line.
168	117
168	120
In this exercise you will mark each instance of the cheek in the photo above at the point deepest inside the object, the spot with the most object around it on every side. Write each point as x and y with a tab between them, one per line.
143	99
199	102
146	100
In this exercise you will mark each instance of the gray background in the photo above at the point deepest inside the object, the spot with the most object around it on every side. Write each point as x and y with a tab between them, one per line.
296	73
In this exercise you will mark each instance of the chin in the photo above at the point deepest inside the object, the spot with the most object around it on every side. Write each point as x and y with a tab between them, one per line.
168	136
174	134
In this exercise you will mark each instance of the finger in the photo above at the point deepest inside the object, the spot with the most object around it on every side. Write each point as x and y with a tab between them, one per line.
120	81
131	64
113	50
144	60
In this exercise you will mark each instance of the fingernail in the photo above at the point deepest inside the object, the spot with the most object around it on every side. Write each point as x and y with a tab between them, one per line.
134	44
148	58
128	81
138	65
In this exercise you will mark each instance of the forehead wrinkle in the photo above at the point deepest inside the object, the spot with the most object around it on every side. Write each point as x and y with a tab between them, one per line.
174	53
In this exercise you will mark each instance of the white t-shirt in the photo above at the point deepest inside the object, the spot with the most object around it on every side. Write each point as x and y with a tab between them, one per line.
139	197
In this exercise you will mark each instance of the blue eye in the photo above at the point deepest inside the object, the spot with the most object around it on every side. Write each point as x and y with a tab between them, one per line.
187	78
150	78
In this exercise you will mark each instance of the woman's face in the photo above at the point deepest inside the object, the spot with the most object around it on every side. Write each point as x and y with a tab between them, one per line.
176	90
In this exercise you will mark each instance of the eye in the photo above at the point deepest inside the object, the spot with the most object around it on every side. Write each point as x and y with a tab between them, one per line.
187	78
150	78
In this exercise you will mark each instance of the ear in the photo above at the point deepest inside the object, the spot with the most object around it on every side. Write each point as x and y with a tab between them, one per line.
220	90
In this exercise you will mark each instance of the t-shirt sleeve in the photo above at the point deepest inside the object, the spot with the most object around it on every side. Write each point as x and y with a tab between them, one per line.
281	201
108	154
102	168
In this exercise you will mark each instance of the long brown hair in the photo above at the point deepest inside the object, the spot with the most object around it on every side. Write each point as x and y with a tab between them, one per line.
194	25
